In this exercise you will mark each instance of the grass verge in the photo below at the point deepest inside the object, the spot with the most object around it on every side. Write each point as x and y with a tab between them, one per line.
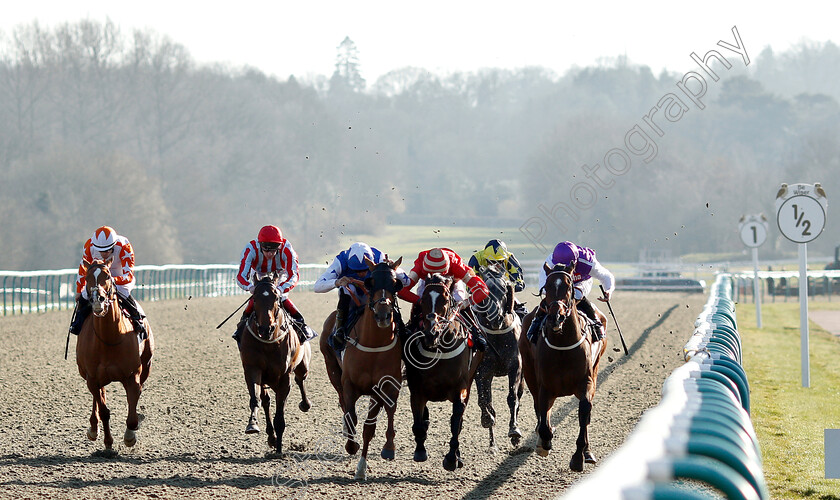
789	419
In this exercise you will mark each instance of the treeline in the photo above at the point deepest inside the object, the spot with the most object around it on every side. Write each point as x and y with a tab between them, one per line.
103	127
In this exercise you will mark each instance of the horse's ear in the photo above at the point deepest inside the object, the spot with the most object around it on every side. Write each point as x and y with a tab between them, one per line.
368	283
275	276
369	263
546	268
109	260
398	285
571	267
396	263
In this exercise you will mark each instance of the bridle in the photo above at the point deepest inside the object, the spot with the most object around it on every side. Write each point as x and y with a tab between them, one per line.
568	301
107	298
275	325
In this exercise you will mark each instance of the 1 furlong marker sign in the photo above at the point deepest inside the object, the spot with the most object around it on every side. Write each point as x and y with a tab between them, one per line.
800	215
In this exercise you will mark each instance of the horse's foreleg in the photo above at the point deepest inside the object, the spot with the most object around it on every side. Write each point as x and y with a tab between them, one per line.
93	430
282	393
420	427
301	372
582	453
132	422
254	382
265	399
543	402
105	416
349	420
452	460
368	431
514	393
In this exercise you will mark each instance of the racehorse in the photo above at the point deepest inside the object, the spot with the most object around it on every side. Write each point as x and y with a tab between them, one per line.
502	329
371	363
270	351
439	367
108	351
563	362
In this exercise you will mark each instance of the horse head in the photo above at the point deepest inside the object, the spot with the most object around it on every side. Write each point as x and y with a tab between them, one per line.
382	285
438	309
100	285
499	306
267	311
559	294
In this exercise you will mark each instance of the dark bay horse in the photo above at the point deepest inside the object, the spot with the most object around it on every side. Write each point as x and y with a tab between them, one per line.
108	351
371	364
502	328
270	351
563	362
439	366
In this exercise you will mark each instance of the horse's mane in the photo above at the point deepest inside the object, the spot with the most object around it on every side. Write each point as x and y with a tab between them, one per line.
437	279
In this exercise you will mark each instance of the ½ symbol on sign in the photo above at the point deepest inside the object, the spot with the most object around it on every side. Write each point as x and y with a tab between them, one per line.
801	221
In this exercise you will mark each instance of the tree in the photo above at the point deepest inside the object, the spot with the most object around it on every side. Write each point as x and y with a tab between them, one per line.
347	76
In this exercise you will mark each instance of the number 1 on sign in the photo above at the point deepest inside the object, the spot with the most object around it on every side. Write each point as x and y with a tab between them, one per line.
755	234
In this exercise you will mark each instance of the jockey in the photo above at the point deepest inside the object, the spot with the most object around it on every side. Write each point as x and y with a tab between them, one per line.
104	244
347	265
496	252
445	262
586	267
271	252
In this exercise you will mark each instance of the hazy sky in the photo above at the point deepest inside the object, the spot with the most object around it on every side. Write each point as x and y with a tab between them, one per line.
281	37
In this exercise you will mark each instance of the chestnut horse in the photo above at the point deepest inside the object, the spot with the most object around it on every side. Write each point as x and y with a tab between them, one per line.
271	350
371	364
439	366
108	351
502	328
563	362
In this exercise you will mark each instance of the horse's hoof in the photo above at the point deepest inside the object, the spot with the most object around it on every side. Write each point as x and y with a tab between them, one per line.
487	420
272	441
351	447
515	432
542	451
450	464
589	458
130	438
387	454
515	440
361	470
93	434
252	429
576	464
420	455
305	406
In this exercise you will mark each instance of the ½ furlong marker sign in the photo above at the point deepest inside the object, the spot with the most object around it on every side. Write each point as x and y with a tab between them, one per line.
800	214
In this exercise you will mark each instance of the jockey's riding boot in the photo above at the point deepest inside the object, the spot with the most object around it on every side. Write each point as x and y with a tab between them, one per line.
415	318
304	332
520	310
479	343
597	331
136	318
339	335
536	323
240	327
83	310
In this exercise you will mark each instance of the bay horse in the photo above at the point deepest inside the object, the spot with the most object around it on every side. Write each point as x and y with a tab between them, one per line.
439	366
108	350
371	364
502	329
270	351
563	362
